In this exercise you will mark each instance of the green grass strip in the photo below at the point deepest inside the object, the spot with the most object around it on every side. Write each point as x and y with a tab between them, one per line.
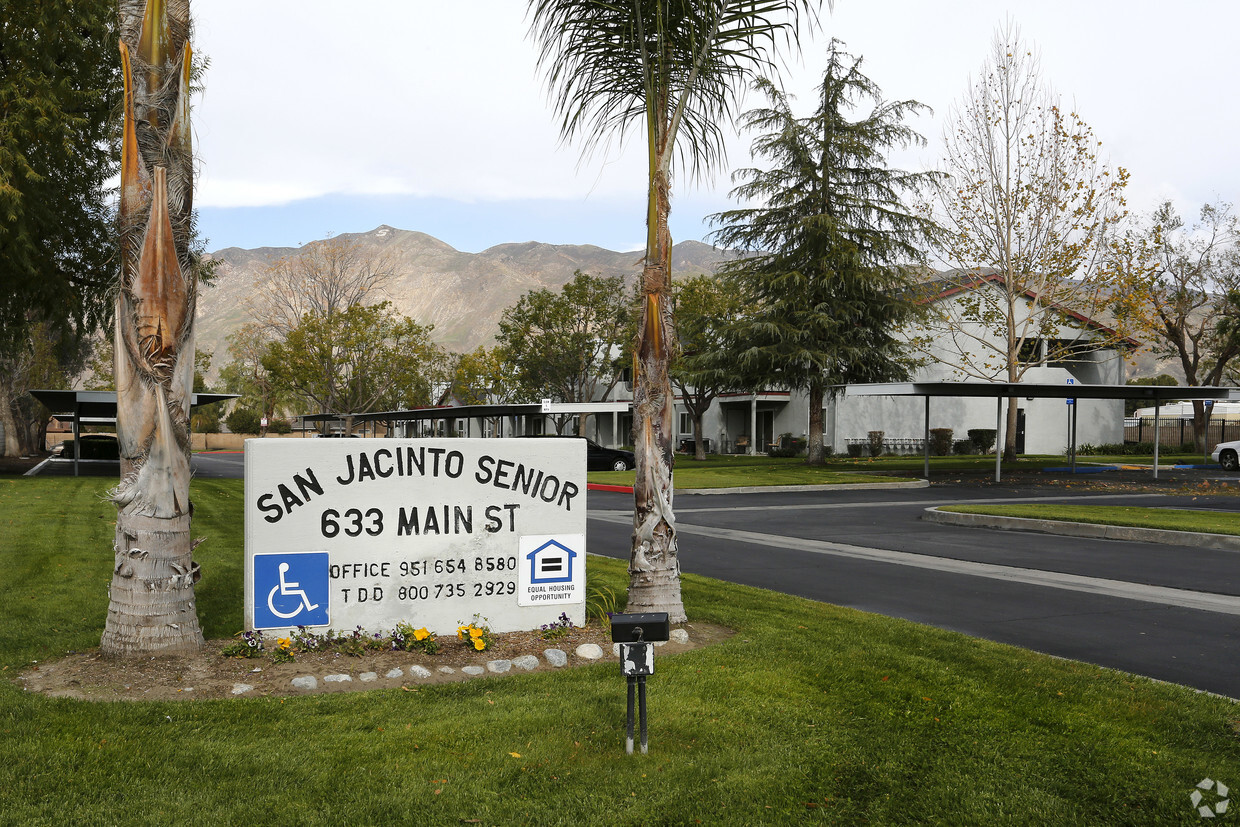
809	713
745	471
1171	519
734	471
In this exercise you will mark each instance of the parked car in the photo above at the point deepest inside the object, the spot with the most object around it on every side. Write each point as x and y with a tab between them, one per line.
599	458
94	446
1227	454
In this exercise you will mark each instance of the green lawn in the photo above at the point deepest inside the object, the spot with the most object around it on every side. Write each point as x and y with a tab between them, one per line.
1173	519
730	471
734	471
809	713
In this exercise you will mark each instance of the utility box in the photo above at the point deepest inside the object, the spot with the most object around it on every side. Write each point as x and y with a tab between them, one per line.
647	627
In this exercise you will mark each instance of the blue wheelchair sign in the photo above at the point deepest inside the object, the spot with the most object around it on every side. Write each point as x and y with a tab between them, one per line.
291	589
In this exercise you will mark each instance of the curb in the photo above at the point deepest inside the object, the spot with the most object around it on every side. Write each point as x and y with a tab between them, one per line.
35	470
1197	539
848	486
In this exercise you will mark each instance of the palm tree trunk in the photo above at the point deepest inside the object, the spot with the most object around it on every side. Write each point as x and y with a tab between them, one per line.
151	607
654	566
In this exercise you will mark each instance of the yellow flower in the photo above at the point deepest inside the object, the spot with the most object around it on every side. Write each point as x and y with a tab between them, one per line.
421	634
479	644
475	632
284	642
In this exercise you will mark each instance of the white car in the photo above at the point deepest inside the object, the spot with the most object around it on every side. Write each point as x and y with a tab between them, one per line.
1227	454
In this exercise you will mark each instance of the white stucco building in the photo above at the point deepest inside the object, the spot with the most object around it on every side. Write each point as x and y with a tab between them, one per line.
1076	350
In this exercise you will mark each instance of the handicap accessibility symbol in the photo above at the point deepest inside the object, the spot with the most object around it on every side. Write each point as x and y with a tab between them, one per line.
291	589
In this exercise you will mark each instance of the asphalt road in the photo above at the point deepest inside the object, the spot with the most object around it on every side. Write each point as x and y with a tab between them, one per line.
870	550
1130	606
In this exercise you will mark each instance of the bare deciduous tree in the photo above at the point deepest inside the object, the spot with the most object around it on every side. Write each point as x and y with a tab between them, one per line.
323	278
1030	210
1183	294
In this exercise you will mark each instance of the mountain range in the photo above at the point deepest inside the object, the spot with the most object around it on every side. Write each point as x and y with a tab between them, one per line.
462	294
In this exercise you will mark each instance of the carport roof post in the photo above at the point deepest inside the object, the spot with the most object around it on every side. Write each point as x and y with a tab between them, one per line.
101	405
1157	393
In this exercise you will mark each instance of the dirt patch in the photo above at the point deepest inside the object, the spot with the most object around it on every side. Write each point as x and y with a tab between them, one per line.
208	674
18	465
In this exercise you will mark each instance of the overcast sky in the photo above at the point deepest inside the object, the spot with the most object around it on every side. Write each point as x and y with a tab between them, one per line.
326	117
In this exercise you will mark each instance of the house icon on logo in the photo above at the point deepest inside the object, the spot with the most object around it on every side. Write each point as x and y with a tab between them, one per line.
552	562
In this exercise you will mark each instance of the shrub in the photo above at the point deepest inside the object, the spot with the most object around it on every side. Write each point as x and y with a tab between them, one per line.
1131	449
206	420
854	451
788	446
963	446
983	439
940	441
876	443
280	426
243	421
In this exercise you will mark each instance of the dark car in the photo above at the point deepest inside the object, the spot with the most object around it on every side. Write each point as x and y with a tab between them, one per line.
94	446
599	458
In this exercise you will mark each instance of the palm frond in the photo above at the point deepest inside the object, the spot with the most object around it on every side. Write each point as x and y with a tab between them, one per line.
672	67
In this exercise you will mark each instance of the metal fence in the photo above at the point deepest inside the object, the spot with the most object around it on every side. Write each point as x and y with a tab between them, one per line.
1176	432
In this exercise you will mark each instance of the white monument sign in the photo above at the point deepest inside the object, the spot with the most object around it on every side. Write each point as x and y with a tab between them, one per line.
435	532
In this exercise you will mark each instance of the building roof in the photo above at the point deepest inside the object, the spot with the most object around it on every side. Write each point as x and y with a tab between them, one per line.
958	281
1033	390
102	404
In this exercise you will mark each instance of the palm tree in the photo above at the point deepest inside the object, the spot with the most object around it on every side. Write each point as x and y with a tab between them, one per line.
676	66
151	604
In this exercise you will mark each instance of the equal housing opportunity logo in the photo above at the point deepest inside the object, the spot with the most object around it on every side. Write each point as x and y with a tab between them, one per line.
1210	798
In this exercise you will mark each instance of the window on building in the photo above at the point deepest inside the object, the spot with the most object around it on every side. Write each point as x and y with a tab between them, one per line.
1030	352
1059	351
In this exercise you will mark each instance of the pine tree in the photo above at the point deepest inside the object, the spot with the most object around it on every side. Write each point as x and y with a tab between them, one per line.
824	272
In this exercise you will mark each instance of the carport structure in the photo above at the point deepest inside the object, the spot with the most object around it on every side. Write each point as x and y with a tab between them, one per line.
100	407
1157	394
449	414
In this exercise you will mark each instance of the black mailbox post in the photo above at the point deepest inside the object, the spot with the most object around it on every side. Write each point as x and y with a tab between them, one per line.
637	634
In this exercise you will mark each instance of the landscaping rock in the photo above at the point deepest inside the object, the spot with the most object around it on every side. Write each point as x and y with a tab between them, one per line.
241	688
446	670
589	651
419	671
526	662
367	677
338	678
306	682
499	667
473	670
680	636
556	657
394	673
